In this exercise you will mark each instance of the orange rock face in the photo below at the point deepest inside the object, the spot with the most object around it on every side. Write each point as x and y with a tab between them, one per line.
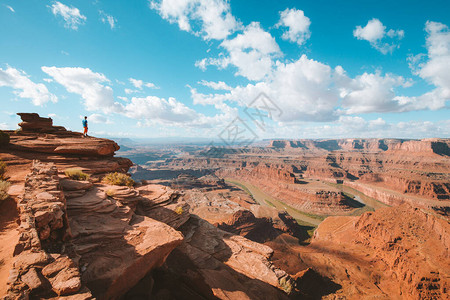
398	253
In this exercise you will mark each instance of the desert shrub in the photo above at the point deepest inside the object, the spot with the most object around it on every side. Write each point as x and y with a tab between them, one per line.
18	131
110	193
118	179
179	210
76	174
3	171
4	187
4	138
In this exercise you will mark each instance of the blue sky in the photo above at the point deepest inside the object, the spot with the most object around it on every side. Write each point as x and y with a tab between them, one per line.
190	68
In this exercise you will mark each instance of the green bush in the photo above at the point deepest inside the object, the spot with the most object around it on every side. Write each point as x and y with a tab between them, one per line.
2	171
76	174
118	179
4	187
4	138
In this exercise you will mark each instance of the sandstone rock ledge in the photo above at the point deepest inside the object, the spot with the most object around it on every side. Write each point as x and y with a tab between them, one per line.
39	135
101	247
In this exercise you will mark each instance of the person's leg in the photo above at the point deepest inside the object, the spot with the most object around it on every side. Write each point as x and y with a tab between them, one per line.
85	131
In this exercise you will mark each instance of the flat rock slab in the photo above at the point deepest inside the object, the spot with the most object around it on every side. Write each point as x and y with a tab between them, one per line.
116	250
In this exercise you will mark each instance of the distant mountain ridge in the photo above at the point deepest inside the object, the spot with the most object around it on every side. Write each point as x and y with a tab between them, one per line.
432	145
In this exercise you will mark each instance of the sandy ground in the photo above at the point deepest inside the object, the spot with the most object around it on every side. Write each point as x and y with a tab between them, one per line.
9	235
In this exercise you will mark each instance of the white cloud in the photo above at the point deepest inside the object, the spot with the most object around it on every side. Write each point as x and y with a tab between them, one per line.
307	90
375	33
373	92
87	84
357	127
140	84
433	67
301	89
251	52
10	8
131	91
213	16
24	87
105	18
154	110
216	85
297	25
4	126
436	69
98	118
71	15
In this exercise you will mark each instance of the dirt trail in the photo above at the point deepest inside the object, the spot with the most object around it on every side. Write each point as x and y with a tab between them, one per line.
9	236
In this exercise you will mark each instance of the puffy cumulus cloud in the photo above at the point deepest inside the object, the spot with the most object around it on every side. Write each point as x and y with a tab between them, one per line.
375	33
373	92
140	84
149	110
308	90
251	52
154	110
86	83
71	15
433	67
108	19
213	16
302	89
436	69
297	25
24	87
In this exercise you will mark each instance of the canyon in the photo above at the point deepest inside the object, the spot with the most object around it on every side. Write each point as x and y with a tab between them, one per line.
300	219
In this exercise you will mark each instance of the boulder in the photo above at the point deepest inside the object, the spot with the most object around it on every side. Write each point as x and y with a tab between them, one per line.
75	185
32	279
32	122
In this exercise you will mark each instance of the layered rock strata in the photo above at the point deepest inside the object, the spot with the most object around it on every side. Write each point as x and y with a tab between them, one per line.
34	123
44	264
396	253
117	247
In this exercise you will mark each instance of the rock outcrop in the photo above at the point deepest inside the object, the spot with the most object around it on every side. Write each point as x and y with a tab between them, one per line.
397	253
39	135
230	266
117	248
85	238
210	261
34	123
44	262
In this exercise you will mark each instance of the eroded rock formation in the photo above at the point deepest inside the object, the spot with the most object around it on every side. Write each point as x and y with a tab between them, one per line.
44	262
397	253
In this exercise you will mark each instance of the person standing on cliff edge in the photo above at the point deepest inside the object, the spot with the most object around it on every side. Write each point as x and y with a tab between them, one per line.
85	126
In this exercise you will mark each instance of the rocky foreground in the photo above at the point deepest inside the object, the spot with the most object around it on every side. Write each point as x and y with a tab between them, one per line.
197	238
